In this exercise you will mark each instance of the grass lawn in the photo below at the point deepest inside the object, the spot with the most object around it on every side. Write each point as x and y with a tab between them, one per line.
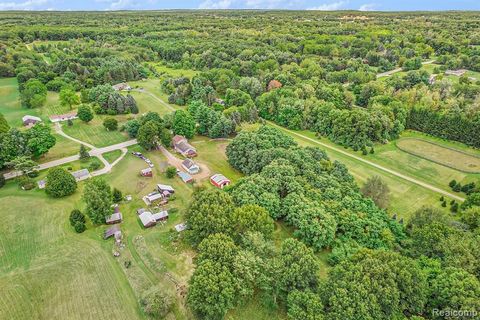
165	71
434	152
112	155
95	133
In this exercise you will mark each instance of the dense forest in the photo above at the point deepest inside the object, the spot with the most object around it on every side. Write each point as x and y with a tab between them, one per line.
302	70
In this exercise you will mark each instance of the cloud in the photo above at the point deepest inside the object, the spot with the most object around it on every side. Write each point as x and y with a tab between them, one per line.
26	5
367	7
220	4
330	6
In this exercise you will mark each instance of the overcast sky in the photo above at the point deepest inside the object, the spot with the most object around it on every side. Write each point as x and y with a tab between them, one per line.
364	5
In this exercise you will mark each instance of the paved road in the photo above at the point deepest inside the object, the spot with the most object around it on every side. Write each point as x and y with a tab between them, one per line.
390	171
389	73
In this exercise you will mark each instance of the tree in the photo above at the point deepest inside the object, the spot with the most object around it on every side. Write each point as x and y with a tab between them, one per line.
117	195
212	290
473	199
60	183
147	135
471	217
171	172
157	303
23	164
76	216
34	94
183	124
111	124
376	189
98	198
84	113
298	266
166	137
4	127
132	127
304	305
40	139
79	227
68	97
375	285
84	154
253	218
218	248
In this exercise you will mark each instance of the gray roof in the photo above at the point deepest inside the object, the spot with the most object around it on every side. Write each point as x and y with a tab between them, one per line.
181	227
188	163
160	215
184	176
81	173
114	217
165	187
111	231
147	218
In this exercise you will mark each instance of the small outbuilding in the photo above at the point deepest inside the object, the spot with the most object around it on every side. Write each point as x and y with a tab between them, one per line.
141	210
161	216
219	180
111	232
114	218
181	227
29	121
147	219
153	197
190	166
165	188
147	172
41	184
185	177
121	87
81	174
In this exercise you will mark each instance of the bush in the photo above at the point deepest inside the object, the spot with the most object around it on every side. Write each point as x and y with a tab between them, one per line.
26	183
452	183
454	207
157	303
117	195
457	187
76	216
60	183
110	124
94	166
2	180
79	227
442	198
444	204
171	172
33	174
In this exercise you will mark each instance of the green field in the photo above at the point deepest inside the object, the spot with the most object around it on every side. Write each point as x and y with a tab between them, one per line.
112	155
94	132
434	152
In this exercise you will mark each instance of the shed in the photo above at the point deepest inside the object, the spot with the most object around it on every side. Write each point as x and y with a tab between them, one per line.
81	174
121	86
219	180
30	120
114	218
111	231
161	216
147	172
181	227
190	166
147	219
185	177
152	197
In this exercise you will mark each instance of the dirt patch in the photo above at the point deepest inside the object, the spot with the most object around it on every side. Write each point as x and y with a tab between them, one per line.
177	163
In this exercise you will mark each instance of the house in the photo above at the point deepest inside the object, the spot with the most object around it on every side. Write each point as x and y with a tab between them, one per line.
181	145
150	198
81	174
29	121
41	184
160	216
146	172
114	218
121	86
162	188
63	117
458	73
274	84
190	166
141	210
219	180
111	232
181	227
185	177
147	219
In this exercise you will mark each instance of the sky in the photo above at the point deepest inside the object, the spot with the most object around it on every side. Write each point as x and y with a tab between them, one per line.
362	5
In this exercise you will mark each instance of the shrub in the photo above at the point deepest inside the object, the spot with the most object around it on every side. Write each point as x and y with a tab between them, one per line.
79	227
444	204
117	195
372	151
60	183
110	124
454	207
26	183
2	180
171	172
442	198
94	166
457	187
33	174
452	183
76	216
157	303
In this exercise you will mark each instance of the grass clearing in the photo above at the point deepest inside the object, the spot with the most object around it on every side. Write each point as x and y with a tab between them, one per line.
112	155
448	157
94	132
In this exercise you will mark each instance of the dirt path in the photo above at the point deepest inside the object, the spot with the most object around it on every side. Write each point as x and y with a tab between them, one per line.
370	163
176	162
155	97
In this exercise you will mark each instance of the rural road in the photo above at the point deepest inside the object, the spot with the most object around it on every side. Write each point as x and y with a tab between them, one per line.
389	73
94	152
375	165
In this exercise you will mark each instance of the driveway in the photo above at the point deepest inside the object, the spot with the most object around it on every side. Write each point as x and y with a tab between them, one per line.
177	163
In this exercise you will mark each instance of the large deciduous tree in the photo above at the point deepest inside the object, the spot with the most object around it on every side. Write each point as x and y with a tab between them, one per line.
98	198
60	183
34	94
183	124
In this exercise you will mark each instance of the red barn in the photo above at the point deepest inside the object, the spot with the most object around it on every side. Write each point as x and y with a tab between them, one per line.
219	180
